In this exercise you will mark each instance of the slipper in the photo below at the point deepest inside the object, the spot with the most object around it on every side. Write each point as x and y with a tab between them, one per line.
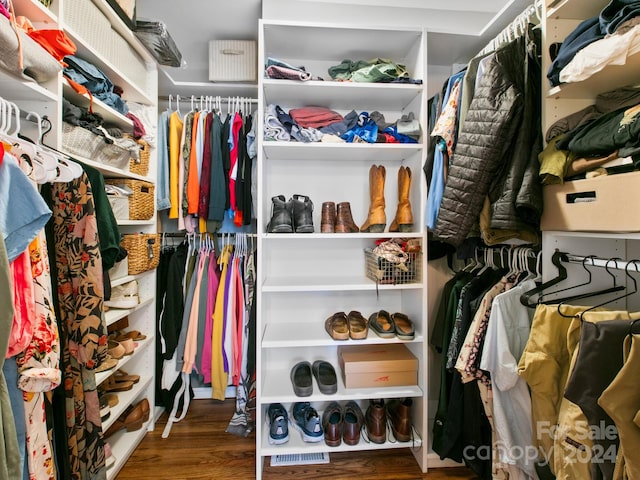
325	376
127	343
382	324
336	326
110	385
122	376
115	349
301	379
132	334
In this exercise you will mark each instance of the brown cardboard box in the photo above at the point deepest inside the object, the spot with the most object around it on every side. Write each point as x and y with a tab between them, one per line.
377	365
600	204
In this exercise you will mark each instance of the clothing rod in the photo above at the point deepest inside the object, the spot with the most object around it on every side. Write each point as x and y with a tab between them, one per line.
218	234
612	263
197	98
511	31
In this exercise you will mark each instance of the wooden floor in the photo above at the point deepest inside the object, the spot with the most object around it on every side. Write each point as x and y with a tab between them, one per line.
199	448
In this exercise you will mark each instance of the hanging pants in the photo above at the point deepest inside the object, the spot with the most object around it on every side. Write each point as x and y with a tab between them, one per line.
621	400
600	358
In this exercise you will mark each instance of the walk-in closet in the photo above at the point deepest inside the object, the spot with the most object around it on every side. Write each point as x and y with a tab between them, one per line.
308	238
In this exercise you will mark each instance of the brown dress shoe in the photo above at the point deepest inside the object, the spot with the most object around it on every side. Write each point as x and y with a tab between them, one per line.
332	424
376	421
399	412
353	420
328	217
344	220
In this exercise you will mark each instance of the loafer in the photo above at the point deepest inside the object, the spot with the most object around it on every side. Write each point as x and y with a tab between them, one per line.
325	377
301	379
337	326
382	324
405	329
132	419
352	422
358	328
332	424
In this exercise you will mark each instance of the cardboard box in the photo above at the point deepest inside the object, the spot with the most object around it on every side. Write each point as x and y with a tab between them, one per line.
601	204
377	366
233	61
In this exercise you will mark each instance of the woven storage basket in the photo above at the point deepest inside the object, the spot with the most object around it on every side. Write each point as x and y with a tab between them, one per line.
140	165
79	141
143	250
141	202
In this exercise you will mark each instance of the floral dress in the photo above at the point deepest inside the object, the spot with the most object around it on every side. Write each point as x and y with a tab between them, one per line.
84	346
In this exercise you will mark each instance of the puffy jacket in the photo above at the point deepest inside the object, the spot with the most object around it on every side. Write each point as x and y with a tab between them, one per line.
490	158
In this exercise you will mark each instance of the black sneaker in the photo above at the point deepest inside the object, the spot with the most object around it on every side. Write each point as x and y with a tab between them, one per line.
307	421
278	424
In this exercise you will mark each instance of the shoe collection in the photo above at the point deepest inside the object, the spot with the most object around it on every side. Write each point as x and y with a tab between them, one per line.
342	326
302	375
382	422
296	214
119	345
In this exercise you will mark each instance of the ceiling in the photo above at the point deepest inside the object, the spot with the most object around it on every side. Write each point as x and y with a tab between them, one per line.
457	29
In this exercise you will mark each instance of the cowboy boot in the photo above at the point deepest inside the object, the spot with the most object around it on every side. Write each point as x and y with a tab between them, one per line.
344	220
403	221
328	217
376	219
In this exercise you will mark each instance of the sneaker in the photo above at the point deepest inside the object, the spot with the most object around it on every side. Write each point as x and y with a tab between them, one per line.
124	296
278	424
307	421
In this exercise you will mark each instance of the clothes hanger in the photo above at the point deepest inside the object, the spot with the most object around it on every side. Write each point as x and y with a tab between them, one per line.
635	288
613	289
170	99
570	287
178	105
525	298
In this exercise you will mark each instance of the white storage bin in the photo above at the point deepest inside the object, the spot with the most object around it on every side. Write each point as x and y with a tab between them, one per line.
233	61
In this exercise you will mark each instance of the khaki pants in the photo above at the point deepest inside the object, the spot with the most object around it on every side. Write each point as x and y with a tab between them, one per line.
621	400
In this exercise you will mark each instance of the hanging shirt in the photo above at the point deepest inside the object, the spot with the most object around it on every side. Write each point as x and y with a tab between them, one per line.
507	334
176	136
163	198
193	187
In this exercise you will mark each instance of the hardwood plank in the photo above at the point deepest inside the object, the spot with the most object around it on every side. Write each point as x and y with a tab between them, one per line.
199	448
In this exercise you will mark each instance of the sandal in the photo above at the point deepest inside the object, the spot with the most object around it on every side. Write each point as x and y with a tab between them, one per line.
132	334
122	376
108	363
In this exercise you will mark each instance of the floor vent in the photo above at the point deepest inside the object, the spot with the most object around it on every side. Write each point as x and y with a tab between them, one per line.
299	459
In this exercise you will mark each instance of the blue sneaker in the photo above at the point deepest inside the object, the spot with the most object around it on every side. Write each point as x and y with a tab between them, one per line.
307	421
278	424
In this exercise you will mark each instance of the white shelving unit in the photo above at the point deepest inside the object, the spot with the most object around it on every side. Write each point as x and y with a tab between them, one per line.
305	278
46	99
559	20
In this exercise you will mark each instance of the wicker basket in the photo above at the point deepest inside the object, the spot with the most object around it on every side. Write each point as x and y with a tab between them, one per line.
384	271
140	165
140	203
143	250
79	141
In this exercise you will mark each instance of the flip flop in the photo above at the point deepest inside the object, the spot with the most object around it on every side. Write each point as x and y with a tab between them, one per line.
132	334
122	376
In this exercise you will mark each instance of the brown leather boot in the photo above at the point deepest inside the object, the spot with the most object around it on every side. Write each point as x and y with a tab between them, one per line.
344	220
376	421
328	217
403	221
399	412
376	219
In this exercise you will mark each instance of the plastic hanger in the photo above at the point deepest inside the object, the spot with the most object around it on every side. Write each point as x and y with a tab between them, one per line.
525	298
635	288
587	282
613	289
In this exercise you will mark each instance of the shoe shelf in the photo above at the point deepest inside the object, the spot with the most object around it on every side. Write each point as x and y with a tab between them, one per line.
136	222
277	388
290	334
142	345
360	152
123	444
337	236
296	445
124	400
114	314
